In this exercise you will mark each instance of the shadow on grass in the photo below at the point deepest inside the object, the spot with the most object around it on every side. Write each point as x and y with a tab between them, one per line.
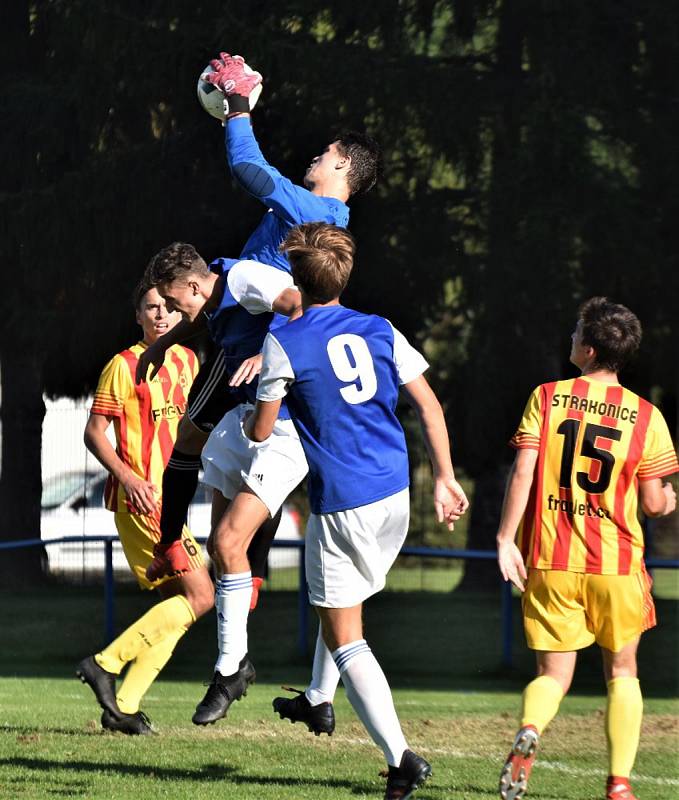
423	640
207	773
29	731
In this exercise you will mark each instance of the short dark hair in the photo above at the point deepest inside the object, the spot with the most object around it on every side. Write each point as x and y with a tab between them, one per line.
139	292
321	257
176	261
612	330
366	160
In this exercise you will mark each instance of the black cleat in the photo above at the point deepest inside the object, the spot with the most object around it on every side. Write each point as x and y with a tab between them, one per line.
318	719
102	683
402	781
137	724
222	692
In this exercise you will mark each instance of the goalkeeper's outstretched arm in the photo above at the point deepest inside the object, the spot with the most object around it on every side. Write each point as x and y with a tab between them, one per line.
254	173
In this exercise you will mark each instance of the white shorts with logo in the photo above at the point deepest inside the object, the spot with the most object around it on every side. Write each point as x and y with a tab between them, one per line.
271	469
349	553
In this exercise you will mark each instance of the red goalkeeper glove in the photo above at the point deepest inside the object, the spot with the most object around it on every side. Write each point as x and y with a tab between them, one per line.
237	82
168	559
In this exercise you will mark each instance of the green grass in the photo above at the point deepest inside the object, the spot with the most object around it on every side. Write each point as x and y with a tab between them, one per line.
413	574
440	651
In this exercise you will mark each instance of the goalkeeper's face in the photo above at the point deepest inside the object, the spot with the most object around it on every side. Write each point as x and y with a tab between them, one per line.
324	168
183	296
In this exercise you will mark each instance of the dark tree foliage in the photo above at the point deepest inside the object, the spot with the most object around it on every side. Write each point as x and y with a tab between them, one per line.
530	162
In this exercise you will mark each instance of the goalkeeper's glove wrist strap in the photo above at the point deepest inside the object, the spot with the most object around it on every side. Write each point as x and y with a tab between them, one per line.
236	104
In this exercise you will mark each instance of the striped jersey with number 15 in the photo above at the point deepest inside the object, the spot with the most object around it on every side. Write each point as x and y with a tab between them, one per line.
595	442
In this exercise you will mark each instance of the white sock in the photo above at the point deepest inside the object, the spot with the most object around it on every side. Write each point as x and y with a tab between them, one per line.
369	693
324	675
233	606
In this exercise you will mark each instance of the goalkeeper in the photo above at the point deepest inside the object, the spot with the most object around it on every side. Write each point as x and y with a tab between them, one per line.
349	165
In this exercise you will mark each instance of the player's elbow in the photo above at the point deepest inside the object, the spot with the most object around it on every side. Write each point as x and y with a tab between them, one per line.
523	468
652	498
253	178
258	432
523	473
654	506
88	438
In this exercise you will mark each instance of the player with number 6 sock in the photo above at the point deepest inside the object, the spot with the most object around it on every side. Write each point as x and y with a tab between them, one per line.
238	300
144	436
339	372
589	451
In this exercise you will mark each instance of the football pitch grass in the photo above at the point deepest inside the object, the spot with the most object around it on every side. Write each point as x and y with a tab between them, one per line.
440	652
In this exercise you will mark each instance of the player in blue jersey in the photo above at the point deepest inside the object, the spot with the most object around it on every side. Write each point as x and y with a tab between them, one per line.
339	372
348	166
251	481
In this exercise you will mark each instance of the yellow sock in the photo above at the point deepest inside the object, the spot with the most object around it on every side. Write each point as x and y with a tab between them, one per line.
164	619
144	670
541	699
624	710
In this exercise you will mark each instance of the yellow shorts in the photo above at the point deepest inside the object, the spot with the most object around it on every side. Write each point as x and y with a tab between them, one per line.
138	533
564	611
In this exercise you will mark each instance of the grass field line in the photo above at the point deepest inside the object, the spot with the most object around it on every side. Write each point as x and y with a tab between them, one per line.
495	756
559	766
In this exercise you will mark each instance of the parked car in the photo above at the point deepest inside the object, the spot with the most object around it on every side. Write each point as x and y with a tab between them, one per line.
73	505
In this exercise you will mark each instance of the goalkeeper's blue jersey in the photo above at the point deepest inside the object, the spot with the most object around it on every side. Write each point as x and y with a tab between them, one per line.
288	204
339	371
239	333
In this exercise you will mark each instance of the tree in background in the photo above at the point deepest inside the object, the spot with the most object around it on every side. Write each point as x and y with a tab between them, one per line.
530	162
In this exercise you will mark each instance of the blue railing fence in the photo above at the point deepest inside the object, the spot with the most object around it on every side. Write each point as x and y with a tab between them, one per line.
507	624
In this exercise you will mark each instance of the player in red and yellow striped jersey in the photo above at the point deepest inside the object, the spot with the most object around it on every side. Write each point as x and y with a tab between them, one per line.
593	439
589	453
145	419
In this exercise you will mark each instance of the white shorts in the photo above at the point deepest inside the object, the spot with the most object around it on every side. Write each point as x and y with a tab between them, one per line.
272	469
349	553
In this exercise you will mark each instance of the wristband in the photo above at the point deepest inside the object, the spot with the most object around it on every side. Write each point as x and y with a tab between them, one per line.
236	104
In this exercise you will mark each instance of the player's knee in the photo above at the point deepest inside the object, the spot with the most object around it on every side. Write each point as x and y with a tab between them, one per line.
563	677
228	546
622	670
201	598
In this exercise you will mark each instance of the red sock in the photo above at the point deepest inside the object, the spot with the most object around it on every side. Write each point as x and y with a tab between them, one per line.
256	586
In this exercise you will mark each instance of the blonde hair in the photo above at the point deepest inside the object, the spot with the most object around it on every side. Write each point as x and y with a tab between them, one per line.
321	257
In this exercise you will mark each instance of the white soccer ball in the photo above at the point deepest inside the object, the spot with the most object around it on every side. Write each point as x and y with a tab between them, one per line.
212	100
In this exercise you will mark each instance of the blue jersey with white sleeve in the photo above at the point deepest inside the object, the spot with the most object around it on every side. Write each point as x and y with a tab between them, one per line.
340	372
288	204
241	321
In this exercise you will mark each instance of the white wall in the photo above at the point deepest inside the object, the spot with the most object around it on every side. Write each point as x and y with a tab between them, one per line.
62	437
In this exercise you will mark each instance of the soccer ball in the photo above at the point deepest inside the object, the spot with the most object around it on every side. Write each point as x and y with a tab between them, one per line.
212	100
